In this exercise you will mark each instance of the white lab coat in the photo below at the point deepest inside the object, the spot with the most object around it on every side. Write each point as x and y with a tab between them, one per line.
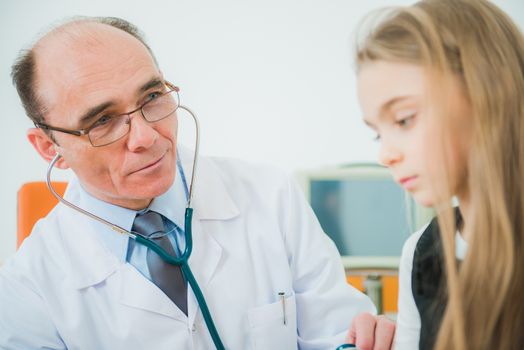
254	236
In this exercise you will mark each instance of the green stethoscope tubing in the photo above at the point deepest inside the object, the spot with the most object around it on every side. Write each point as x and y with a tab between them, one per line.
181	261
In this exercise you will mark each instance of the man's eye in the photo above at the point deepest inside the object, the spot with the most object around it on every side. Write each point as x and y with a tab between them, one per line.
153	95
103	120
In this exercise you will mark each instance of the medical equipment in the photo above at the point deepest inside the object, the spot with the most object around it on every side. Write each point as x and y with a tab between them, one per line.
183	259
348	199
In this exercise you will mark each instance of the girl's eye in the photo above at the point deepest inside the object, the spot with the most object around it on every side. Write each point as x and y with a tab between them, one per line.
377	137
406	121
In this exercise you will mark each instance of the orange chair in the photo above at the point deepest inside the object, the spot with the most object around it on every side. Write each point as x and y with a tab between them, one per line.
34	202
389	289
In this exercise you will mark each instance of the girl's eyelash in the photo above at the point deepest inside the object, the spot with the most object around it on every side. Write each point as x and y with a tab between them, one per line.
405	120
402	122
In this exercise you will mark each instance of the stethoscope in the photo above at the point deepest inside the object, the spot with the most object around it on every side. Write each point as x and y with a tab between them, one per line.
183	259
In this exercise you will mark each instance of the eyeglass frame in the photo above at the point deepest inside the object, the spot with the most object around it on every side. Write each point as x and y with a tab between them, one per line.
85	131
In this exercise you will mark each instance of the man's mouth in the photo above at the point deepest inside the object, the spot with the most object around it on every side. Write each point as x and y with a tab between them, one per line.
151	164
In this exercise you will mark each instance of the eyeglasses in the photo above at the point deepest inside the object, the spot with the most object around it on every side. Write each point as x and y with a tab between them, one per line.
109	129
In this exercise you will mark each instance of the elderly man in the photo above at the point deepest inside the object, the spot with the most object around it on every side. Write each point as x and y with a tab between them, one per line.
270	277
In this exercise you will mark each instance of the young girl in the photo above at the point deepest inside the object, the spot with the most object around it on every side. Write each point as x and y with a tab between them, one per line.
442	84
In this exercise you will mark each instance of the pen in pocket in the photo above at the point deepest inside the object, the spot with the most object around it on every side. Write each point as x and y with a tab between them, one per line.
282	296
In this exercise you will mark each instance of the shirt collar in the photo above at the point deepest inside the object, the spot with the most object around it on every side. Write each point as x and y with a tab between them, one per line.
123	217
170	204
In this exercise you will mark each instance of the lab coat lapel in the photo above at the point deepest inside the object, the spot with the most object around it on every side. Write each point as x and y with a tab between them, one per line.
211	202
211	198
203	262
89	261
138	292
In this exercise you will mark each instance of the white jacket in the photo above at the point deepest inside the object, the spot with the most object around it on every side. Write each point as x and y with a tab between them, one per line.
254	236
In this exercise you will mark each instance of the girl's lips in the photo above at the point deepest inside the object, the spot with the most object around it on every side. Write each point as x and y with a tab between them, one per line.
407	182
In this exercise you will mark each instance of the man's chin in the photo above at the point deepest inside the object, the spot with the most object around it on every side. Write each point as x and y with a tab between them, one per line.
138	198
152	189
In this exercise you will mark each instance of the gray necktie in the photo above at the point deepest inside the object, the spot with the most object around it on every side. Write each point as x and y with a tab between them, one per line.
167	277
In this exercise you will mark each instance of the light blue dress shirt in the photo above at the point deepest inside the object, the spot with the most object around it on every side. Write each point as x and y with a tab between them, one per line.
170	204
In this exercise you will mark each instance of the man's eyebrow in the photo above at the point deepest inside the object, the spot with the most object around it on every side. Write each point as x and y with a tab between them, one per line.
93	112
153	83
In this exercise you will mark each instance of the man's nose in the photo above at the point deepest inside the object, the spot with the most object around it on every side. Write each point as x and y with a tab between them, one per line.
142	134
389	154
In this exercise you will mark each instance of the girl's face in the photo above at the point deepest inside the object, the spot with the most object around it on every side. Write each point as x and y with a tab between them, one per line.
396	104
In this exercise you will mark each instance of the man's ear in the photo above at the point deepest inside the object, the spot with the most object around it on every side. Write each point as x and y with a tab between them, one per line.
45	146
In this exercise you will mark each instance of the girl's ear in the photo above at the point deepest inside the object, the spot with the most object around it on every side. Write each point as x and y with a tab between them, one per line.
46	147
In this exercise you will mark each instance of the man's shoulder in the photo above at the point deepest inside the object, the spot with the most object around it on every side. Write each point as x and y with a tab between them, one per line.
27	280
39	250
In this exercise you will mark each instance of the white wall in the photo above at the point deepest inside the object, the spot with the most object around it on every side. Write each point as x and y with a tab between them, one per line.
271	80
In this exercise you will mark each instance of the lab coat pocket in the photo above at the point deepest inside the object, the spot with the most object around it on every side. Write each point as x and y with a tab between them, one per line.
274	326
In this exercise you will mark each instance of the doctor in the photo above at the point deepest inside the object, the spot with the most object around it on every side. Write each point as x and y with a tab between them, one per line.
271	278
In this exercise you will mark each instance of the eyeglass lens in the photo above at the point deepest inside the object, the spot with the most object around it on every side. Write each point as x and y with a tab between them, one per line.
111	129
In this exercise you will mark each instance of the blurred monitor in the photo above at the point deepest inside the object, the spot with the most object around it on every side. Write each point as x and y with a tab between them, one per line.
366	214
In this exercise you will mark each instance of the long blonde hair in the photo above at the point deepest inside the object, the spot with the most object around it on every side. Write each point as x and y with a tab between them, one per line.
478	43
